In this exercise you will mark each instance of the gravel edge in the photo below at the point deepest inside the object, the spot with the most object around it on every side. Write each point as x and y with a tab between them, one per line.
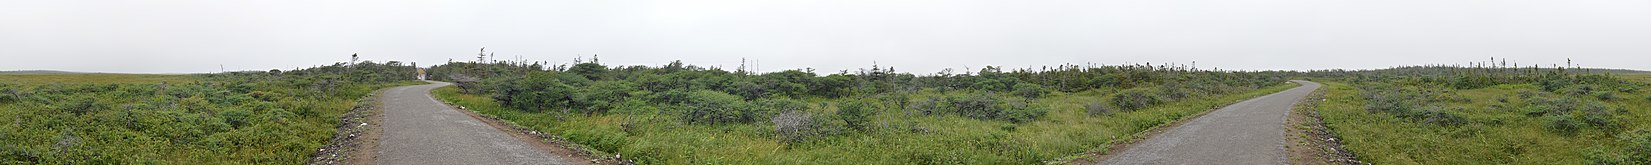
1310	142
349	138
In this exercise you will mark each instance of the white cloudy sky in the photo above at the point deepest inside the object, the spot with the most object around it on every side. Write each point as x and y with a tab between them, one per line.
189	36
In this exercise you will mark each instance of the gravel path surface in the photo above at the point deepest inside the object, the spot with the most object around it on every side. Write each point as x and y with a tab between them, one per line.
1249	132
420	130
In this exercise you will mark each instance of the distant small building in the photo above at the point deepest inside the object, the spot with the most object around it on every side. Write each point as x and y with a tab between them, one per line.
420	73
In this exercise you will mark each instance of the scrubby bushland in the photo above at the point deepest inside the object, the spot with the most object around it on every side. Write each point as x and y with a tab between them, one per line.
988	106
1484	115
253	117
712	107
941	115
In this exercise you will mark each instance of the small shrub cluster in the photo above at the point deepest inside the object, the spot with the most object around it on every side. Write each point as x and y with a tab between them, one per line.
856	114
1097	108
1135	99
798	126
714	107
1030	91
1414	104
1438	116
1637	149
1567	115
10	94
988	106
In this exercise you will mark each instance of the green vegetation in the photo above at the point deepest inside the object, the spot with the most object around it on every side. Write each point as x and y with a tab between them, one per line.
684	114
256	117
1489	115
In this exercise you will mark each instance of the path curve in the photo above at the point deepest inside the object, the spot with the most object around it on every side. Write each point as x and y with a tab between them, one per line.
417	129
1248	132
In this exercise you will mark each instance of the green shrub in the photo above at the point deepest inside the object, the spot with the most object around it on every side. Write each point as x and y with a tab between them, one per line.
236	118
1029	90
1135	99
9	94
988	106
538	92
1021	112
1639	144
1607	96
604	95
780	105
856	114
1437	116
1563	125
1097	108
713	107
1598	115
1172	91
1637	149
1555	84
81	105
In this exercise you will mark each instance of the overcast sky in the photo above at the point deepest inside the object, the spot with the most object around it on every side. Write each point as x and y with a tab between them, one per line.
921	36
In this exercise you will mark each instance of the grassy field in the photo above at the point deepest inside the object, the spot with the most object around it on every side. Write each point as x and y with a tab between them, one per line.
895	137
1501	127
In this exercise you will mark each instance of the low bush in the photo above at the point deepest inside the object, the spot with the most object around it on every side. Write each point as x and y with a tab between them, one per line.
925	106
81	105
1437	116
1554	85
856	114
1563	125
713	107
988	106
1097	108
1135	99
1636	149
1172	91
236	118
9	94
795	126
1607	96
1030	91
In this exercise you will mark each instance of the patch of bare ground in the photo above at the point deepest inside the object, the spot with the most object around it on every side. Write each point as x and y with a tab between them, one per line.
1310	142
552	144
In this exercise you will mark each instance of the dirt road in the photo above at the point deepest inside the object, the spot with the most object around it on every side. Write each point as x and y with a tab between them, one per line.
417	129
1249	132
